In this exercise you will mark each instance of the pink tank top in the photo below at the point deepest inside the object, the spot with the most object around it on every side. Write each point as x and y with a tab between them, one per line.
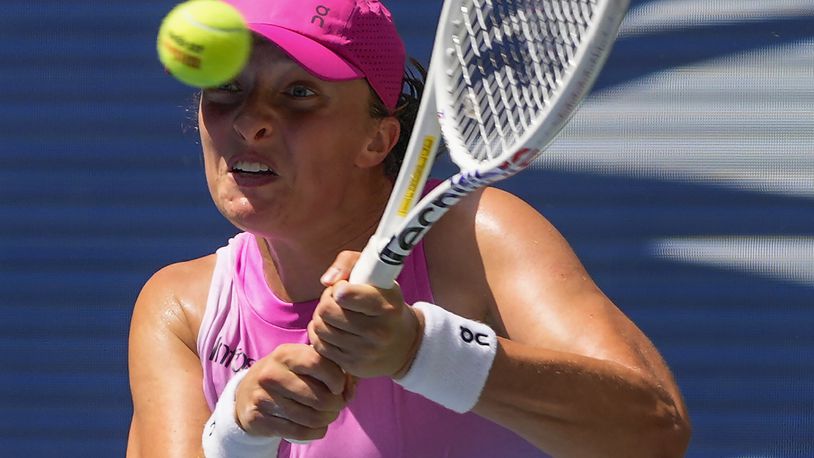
244	321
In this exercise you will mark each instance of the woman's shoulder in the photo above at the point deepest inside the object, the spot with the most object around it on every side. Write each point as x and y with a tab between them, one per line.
485	229
174	298
184	280
487	216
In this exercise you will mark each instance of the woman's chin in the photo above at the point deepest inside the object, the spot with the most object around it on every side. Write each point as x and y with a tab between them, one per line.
243	214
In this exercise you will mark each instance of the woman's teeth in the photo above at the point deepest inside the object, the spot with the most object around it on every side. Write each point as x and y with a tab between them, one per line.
251	167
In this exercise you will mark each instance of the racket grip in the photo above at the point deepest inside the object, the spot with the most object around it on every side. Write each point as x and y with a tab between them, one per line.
370	270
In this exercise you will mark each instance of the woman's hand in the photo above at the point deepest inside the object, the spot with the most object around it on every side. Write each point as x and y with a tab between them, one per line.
294	393
368	332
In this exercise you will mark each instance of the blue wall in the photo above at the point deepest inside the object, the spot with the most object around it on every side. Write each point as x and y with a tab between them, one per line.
685	183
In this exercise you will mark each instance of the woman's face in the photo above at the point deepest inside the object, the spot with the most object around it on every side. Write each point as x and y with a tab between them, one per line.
279	144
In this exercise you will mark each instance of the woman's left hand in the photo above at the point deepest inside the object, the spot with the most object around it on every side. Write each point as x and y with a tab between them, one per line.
368	332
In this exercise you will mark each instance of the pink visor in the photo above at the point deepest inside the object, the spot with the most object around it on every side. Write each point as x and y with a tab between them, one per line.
335	40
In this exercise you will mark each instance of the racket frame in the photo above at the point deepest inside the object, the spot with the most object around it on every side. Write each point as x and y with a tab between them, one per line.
406	220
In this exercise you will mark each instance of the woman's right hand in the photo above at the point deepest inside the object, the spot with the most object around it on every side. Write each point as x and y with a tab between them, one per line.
293	393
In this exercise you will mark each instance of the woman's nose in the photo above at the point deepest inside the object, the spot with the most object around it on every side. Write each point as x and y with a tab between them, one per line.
252	123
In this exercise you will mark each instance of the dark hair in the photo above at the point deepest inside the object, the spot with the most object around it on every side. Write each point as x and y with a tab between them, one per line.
406	111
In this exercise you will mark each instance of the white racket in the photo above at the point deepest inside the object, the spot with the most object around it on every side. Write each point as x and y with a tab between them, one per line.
505	76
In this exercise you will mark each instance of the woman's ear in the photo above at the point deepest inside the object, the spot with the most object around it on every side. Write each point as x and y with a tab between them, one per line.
382	140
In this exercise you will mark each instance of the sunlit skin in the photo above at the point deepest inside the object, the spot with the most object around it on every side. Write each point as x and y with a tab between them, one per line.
573	376
305	130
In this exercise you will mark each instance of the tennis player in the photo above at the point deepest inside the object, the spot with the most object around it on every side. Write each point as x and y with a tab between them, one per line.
494	343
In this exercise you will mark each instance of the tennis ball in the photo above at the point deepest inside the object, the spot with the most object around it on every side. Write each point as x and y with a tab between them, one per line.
204	43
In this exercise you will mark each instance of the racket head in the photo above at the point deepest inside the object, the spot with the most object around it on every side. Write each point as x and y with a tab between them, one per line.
515	72
473	123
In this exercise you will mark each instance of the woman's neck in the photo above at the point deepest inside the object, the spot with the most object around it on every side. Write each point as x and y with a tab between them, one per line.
293	264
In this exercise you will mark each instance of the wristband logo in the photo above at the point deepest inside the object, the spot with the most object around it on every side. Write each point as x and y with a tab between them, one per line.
478	337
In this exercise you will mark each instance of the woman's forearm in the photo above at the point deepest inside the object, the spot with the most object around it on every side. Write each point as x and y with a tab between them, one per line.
573	406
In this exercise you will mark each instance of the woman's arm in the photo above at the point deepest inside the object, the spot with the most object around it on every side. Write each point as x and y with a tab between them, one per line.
169	408
572	374
293	392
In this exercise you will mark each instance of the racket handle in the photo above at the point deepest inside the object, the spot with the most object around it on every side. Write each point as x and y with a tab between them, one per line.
370	270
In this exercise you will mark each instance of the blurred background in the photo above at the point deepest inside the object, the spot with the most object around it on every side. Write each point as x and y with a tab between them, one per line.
685	183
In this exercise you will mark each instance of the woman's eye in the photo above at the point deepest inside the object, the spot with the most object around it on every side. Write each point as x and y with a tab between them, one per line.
301	91
226	93
230	86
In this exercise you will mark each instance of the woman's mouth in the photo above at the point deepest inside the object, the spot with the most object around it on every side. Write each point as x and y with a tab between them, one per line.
252	168
250	174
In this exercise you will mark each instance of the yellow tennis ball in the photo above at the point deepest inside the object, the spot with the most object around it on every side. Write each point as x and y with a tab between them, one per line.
204	43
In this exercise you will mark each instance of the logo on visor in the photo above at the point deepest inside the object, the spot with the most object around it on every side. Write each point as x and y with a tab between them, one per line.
321	11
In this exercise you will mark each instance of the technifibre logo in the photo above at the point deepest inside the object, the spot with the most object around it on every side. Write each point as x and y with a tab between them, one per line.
235	359
462	184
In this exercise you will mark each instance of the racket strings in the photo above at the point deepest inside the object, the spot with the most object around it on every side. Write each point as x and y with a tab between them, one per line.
509	58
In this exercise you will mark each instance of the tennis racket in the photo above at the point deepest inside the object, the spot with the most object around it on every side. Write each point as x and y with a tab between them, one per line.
504	78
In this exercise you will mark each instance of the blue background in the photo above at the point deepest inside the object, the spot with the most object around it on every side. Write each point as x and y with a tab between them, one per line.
684	184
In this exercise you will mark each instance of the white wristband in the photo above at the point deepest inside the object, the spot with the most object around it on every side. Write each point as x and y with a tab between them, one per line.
453	359
224	438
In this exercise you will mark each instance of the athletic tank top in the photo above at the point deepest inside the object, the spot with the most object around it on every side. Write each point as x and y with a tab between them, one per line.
244	321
